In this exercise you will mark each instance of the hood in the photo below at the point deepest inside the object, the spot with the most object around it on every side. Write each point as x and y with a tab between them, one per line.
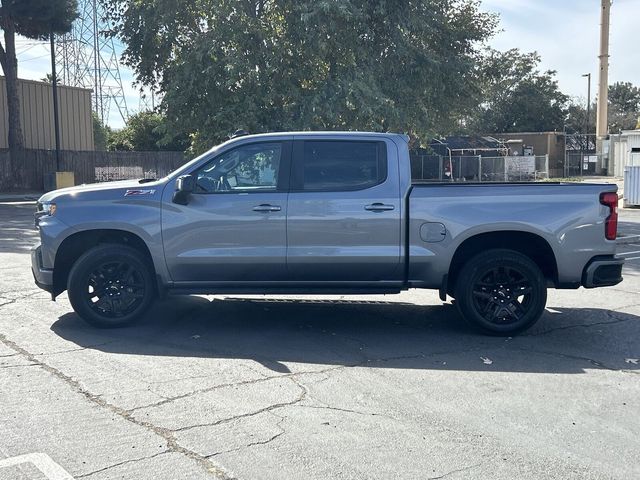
97	187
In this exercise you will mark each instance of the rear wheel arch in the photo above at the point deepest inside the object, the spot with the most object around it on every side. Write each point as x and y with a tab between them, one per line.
501	292
529	244
75	245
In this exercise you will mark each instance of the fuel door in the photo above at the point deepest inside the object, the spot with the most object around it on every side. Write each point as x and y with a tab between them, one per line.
432	232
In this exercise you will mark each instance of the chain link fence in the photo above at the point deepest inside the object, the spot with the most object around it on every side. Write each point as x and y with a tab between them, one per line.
438	168
580	164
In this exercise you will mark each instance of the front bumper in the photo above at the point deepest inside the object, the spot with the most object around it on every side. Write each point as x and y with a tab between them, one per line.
602	271
42	276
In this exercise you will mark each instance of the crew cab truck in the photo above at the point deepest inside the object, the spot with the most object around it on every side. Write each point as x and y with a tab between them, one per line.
323	213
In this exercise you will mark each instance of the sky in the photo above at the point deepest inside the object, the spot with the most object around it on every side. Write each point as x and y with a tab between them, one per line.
564	32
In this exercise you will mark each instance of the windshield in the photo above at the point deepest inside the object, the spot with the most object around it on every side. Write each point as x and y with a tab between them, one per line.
187	166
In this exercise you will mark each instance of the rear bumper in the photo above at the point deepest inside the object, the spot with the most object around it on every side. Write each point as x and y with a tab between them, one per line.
602	271
42	276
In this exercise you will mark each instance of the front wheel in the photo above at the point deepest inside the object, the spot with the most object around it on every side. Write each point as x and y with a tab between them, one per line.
111	286
501	292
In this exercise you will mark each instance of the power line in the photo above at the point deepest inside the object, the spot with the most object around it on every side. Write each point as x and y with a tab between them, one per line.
35	58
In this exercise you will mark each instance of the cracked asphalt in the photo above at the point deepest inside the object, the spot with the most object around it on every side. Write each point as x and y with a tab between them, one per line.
216	387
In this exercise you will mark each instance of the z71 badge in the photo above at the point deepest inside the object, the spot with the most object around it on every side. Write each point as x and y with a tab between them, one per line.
130	193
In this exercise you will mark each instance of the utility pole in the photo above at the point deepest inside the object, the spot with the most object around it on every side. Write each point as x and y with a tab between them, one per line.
54	86
603	87
588	75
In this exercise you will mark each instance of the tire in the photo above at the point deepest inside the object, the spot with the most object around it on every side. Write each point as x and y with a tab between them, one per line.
501	292
120	280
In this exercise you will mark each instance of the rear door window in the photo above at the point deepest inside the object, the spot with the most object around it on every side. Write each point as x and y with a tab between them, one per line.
328	165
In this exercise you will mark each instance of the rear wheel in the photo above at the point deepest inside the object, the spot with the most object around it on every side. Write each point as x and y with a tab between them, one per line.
501	292
111	286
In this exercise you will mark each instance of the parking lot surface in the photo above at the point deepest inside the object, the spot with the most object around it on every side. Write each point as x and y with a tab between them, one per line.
217	387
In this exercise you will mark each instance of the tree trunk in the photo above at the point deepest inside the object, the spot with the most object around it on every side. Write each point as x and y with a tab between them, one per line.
10	67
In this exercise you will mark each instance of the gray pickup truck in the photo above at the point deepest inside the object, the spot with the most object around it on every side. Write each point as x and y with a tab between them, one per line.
323	213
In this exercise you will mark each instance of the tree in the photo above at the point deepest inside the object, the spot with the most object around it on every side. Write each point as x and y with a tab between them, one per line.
623	112
305	64
147	132
517	96
35	19
624	106
101	133
576	120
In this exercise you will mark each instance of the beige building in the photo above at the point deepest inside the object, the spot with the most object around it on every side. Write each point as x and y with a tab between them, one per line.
36	107
541	143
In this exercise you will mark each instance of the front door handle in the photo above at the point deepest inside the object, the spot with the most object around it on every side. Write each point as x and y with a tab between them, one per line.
379	207
265	207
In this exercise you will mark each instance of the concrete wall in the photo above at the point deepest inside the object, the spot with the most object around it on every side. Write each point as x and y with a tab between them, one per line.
36	107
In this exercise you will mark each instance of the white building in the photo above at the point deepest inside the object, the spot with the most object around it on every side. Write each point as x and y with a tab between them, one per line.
624	150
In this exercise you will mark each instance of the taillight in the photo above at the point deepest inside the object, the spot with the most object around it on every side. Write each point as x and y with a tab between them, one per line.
610	199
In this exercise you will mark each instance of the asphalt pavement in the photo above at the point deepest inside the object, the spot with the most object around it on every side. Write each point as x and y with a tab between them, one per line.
253	387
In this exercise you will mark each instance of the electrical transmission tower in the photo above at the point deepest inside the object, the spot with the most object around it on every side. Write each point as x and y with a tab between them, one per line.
147	101
87	58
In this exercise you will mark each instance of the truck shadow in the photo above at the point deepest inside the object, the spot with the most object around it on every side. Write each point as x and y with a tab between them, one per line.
18	233
289	335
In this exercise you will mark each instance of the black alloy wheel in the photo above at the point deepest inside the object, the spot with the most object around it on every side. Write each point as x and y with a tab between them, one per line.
115	289
501	292
111	285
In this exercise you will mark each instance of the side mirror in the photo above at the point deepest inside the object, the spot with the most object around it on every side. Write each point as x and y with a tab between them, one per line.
185	185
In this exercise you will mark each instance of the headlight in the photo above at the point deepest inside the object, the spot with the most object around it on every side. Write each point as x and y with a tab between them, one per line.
47	208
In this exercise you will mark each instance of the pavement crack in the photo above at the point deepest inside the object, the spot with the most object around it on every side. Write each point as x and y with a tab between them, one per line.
260	442
609	314
420	355
347	410
19	366
303	393
595	363
172	444
205	390
79	349
133	460
458	470
24	296
232	384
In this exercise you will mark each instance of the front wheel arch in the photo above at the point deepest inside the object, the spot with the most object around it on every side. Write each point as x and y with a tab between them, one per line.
74	246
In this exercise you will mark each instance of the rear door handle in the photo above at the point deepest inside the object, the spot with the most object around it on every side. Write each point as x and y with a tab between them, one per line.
379	207
265	207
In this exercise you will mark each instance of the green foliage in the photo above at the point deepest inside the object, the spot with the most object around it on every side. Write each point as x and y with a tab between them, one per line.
37	18
146	132
517	96
267	65
101	133
624	97
624	110
624	106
